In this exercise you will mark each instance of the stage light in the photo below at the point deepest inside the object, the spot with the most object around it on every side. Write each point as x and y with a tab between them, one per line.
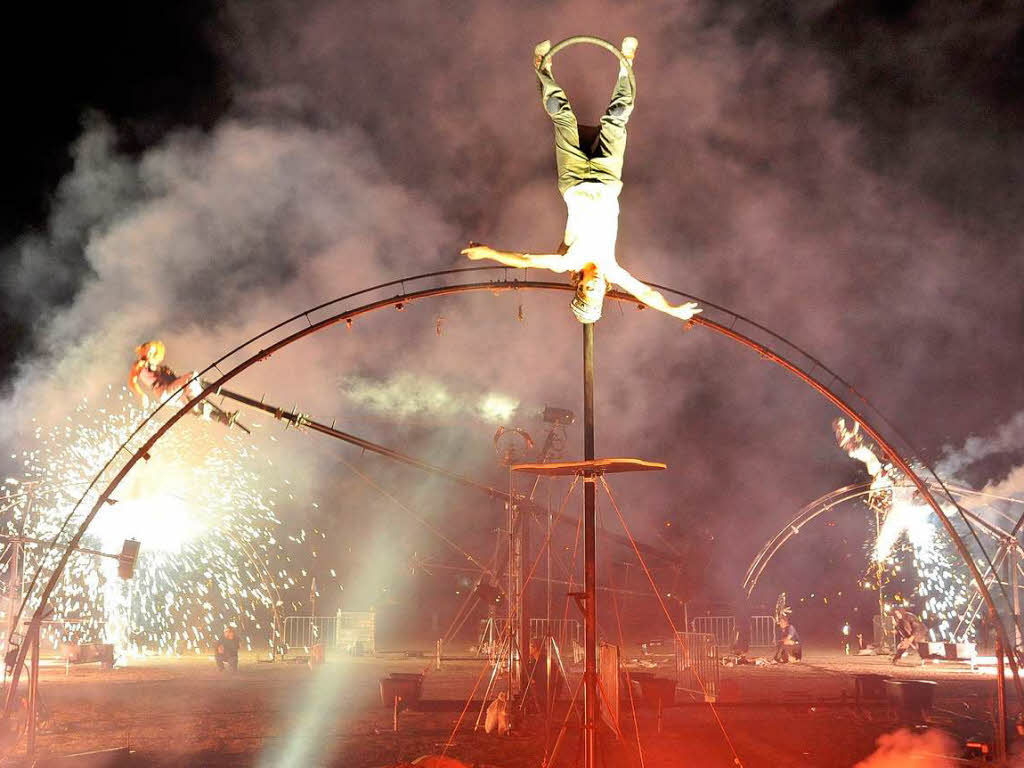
561	416
126	561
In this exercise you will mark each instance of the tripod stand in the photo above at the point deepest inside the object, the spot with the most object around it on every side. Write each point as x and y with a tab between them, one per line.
489	635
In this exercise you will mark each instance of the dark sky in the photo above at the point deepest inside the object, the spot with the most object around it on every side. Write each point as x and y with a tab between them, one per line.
846	173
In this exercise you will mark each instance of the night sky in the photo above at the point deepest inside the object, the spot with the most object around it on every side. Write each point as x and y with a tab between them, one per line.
848	174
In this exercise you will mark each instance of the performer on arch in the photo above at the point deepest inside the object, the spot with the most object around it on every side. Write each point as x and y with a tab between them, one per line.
150	379
589	179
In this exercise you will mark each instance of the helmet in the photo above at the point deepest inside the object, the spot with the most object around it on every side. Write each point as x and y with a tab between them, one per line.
152	352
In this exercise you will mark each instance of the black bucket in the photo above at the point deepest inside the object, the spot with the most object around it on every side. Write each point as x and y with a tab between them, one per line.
910	700
404	686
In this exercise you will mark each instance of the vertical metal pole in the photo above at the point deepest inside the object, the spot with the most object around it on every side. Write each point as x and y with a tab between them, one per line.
589	559
13	586
513	596
880	575
33	689
1000	735
523	629
1015	586
314	631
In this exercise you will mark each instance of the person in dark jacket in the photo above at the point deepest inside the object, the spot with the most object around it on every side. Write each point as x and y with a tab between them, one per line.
911	631
227	650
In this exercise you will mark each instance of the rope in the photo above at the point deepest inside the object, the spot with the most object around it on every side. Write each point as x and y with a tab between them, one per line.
629	680
547	538
465	709
418	518
664	608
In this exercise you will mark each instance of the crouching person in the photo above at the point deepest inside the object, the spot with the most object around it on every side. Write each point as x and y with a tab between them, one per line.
788	646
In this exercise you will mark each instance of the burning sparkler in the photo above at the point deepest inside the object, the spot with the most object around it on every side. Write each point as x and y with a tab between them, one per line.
904	520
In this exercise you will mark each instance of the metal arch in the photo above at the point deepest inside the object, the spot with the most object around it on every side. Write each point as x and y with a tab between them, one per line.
792	528
824	388
823	504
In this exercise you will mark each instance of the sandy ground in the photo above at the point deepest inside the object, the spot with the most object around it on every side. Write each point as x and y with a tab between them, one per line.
182	712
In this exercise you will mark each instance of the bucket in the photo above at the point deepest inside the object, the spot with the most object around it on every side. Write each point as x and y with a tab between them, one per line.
404	686
868	686
910	700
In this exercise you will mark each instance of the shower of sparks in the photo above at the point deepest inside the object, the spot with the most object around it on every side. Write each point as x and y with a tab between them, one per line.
943	587
203	508
908	528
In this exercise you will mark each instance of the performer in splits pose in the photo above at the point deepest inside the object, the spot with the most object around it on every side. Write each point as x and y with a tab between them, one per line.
151	377
590	179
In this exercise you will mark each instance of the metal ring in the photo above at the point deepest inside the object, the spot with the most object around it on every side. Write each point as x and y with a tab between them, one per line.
599	42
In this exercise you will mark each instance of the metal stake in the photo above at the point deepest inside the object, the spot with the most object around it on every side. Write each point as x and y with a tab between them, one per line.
1000	702
33	689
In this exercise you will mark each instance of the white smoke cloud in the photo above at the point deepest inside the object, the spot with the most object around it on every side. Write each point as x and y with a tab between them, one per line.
1008	437
405	396
930	749
365	145
225	234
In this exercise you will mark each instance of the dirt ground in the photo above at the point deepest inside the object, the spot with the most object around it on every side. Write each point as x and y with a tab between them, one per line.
183	712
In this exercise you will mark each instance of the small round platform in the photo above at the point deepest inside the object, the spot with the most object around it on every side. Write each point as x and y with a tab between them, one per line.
592	467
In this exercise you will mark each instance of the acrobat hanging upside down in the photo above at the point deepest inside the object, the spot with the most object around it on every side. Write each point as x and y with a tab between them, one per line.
589	179
151	379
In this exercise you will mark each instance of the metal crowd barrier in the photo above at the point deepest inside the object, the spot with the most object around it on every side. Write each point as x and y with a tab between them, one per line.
698	670
763	631
355	632
723	628
564	631
306	631
720	627
352	632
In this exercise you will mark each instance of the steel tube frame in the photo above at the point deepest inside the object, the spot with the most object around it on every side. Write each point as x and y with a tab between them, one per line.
766	353
590	703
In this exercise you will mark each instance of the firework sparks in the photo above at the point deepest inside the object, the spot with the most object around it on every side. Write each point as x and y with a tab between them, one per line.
907	528
206	519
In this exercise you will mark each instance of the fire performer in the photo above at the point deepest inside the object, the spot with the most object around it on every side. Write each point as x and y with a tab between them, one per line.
911	631
788	645
852	441
590	180
151	377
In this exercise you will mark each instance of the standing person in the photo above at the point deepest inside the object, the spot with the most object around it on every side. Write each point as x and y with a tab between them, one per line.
911	631
227	650
788	645
589	179
544	689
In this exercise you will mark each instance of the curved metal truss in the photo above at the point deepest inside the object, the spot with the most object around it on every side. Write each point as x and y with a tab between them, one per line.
840	496
756	337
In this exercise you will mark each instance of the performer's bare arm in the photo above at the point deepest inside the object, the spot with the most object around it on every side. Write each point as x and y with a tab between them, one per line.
649	296
133	378
555	262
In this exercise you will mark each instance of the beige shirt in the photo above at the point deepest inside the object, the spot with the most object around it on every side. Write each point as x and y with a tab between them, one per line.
592	224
